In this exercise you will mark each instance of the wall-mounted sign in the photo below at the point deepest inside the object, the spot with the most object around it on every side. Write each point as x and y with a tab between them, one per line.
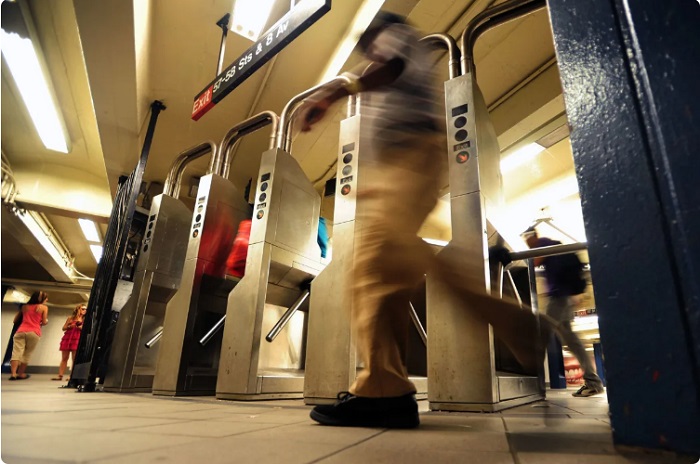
296	21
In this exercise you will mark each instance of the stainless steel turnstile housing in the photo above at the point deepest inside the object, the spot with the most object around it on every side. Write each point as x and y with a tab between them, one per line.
185	367
283	257
462	372
157	278
331	357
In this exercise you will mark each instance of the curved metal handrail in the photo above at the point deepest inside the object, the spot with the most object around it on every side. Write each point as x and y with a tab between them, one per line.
237	132
284	140
450	44
174	178
491	18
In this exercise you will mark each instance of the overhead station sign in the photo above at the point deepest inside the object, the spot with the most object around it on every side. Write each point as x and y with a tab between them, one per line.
296	21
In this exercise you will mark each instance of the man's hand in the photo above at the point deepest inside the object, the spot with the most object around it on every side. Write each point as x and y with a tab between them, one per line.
312	112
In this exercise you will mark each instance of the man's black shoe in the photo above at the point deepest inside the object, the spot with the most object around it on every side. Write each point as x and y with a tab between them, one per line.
400	412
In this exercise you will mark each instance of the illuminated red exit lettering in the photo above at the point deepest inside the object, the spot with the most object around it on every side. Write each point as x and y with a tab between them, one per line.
203	103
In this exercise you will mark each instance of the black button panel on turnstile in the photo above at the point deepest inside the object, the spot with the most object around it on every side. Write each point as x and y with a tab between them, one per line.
198	216
346	181
147	239
265	182
459	113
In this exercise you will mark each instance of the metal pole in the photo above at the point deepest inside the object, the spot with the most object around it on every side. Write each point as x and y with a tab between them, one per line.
490	18
447	42
548	251
219	324
417	324
284	139
515	289
155	338
93	345
286	317
223	24
222	163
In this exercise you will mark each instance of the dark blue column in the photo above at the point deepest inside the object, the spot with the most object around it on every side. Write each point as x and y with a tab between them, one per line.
631	79
598	356
555	363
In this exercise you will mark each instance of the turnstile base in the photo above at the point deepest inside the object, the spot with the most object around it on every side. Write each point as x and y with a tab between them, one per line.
195	385
485	407
271	387
138	384
513	390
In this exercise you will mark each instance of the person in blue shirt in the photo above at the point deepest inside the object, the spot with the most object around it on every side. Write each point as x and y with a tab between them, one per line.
564	284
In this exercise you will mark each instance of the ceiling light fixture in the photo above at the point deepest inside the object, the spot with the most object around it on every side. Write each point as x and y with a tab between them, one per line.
365	14
96	252
250	17
22	58
89	230
521	157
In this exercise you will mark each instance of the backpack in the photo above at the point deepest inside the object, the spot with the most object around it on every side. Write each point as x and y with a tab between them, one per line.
572	270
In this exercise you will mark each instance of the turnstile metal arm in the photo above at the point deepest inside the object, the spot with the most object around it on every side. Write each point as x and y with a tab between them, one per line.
155	338
286	317
417	324
219	324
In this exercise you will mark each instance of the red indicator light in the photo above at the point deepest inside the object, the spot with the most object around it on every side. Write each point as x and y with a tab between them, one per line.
462	157
345	189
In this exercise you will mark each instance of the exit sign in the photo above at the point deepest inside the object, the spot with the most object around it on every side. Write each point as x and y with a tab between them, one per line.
296	21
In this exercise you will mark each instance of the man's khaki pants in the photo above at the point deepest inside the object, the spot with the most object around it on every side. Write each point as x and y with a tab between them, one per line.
397	193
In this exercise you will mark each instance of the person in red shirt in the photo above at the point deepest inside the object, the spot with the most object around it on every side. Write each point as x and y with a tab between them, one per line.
235	264
34	314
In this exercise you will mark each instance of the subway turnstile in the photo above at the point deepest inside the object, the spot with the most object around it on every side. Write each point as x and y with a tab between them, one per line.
184	366
462	373
331	357
283	258
134	352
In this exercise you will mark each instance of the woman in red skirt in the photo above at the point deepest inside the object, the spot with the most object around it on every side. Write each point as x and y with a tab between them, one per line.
71	337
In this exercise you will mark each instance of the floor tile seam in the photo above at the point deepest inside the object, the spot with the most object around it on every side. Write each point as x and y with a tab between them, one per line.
21	411
345	448
270	423
272	427
511	445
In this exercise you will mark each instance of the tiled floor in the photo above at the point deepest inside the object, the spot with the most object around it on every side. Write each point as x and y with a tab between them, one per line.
42	423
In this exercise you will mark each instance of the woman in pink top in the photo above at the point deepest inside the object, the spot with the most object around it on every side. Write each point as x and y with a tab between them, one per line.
71	337
34	315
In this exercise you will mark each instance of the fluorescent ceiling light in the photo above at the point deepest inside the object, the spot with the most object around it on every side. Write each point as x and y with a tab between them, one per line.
89	230
22	59
521	157
365	14
96	252
250	17
38	227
